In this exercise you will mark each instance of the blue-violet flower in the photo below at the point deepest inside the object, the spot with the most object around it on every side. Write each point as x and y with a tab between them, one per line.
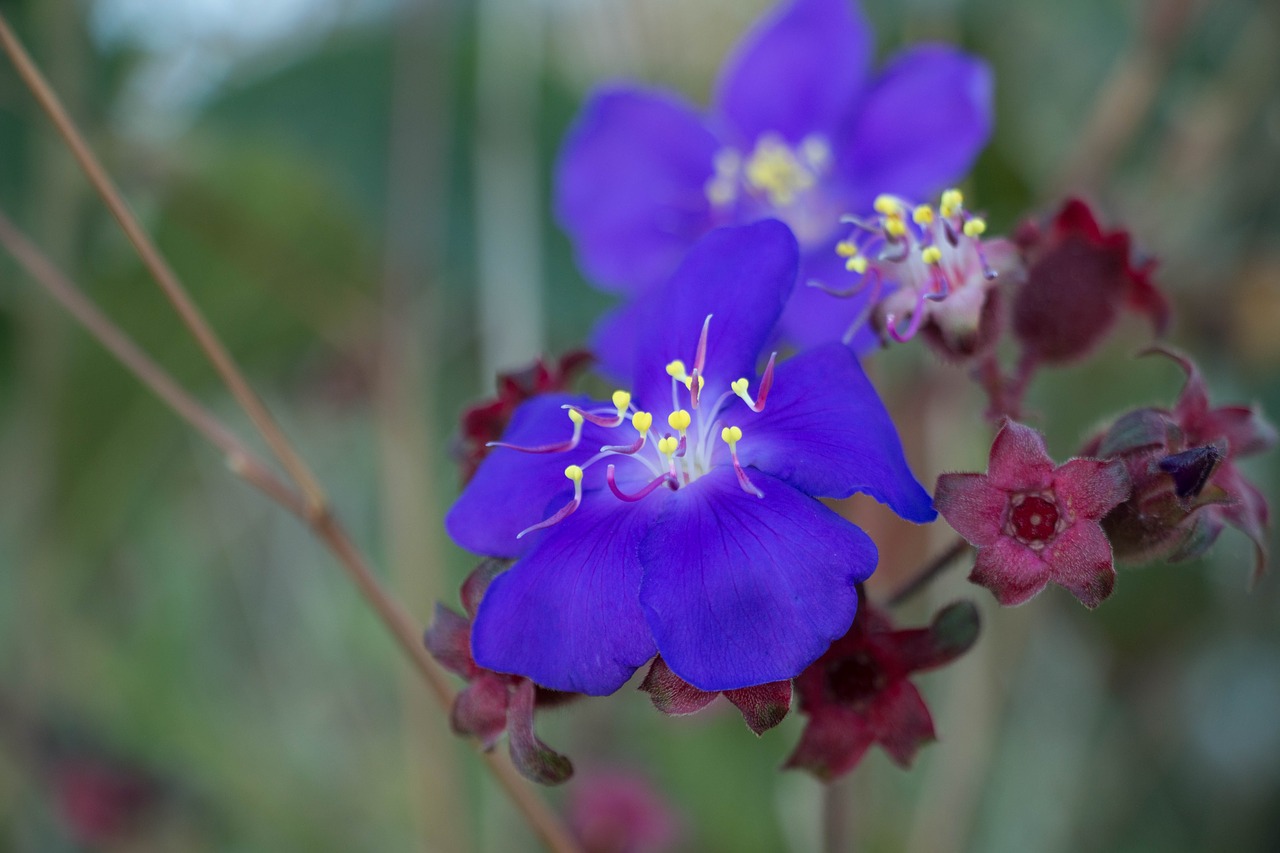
799	129
681	517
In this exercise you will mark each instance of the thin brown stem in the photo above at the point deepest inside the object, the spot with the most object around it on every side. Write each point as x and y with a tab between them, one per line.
240	458
325	526
928	572
837	826
161	271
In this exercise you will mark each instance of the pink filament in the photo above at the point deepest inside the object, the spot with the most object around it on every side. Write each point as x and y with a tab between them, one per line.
640	495
565	512
558	447
913	326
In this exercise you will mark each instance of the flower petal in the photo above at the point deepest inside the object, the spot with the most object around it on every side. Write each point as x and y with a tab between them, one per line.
630	185
480	709
1011	570
671	694
567	614
1019	460
972	506
762	706
740	276
834	741
921	126
1080	560
799	71
901	722
1091	488
614	341
741	590
825	432
513	490
813	316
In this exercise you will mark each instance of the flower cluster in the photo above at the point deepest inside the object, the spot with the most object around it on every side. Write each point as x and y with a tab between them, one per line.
681	523
799	130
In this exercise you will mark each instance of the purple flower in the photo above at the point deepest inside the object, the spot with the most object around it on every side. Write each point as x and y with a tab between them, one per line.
799	129
1033	522
680	518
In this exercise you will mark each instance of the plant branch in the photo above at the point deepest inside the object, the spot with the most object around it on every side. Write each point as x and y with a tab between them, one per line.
324	525
163	274
928	572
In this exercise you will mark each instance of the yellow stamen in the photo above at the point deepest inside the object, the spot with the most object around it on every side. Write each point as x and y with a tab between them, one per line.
887	205
894	226
676	370
931	255
574	473
923	215
642	421
668	445
731	435
576	417
622	400
679	420
975	228
952	202
688	382
858	265
846	249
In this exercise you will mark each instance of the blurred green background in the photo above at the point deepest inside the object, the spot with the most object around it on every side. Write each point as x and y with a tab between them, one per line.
357	193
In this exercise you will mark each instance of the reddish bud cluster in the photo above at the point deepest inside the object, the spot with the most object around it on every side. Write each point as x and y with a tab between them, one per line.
1186	484
493	702
859	692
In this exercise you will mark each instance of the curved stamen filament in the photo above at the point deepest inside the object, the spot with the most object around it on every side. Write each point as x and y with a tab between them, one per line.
640	495
574	473
575	415
731	435
739	387
913	325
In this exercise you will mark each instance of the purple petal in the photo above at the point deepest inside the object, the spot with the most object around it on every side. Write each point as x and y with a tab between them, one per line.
741	276
567	615
741	590
799	71
922	125
825	432
614	341
814	317
513	490
630	185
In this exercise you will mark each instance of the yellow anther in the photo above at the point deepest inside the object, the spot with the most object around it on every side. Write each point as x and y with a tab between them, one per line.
679	420
846	248
573	472
668	445
922	215
975	228
576	417
622	400
894	226
688	382
858	265
887	205
642	421
952	201
731	435
931	254
774	169
676	370
739	387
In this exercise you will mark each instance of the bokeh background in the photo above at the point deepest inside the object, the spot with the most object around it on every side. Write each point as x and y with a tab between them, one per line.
357	193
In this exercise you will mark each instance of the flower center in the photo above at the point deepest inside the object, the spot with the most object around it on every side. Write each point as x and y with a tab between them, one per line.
856	679
1033	519
933	255
777	179
677	454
